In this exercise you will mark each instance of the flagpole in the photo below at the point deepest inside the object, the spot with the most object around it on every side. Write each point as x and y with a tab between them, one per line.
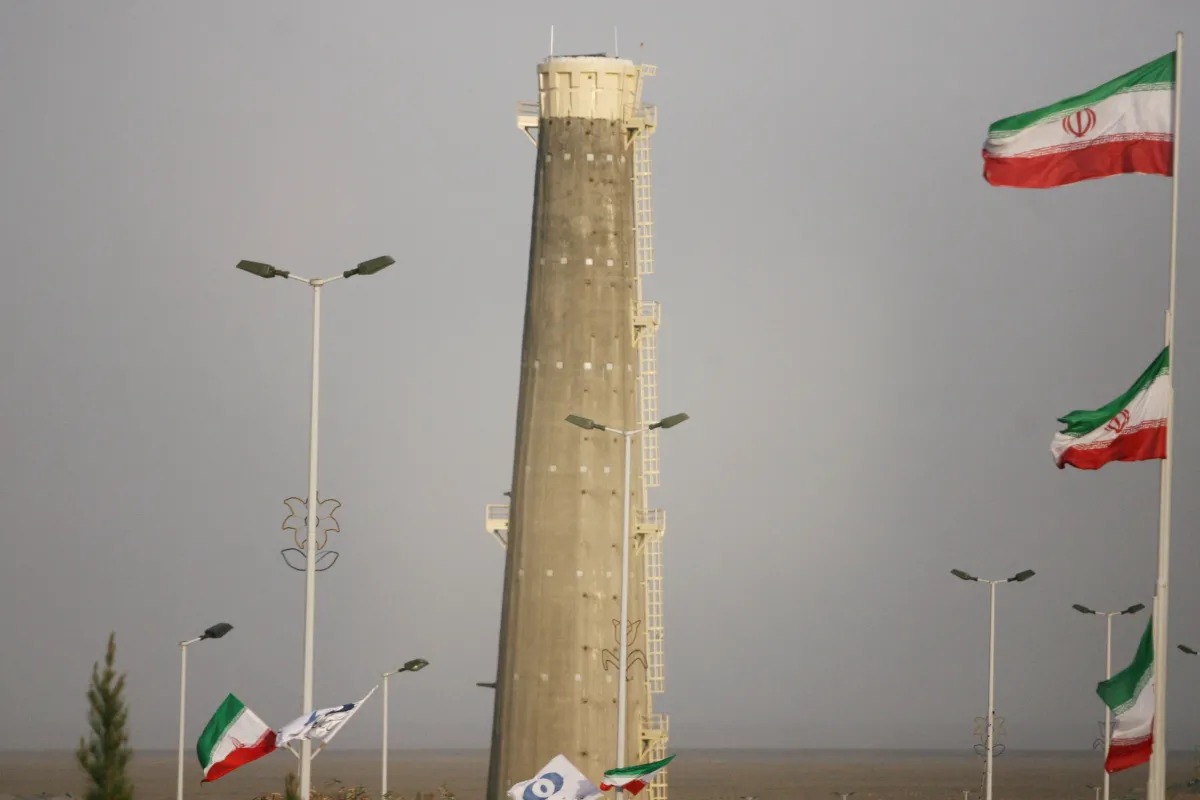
1150	779
1159	751
1107	710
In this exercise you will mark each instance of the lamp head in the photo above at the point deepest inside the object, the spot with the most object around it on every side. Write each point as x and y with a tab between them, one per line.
966	576
1083	609
584	422
1187	649
370	267
669	422
261	270
217	631
1023	575
416	665
1133	609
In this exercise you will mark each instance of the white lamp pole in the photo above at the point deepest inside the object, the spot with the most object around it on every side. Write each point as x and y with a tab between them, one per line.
310	543
1022	576
415	665
215	632
1108	616
622	665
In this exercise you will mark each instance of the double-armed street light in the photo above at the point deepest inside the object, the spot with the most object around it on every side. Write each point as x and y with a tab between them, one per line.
215	632
622	665
416	665
262	270
1020	577
1108	615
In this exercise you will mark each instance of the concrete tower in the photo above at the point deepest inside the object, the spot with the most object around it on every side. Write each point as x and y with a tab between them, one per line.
589	350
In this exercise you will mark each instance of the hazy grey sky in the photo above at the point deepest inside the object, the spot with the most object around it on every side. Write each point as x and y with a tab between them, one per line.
873	345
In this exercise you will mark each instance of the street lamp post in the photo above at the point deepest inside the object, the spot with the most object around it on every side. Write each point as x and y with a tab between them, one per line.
590	424
1020	577
1108	616
310	544
416	665
215	632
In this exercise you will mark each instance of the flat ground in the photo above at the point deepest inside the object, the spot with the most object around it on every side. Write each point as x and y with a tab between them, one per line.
696	775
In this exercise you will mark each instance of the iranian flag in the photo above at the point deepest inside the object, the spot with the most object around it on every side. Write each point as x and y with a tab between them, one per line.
1131	428
1120	127
1130	696
233	737
633	779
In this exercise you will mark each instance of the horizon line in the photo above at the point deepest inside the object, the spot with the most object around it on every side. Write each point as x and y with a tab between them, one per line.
698	748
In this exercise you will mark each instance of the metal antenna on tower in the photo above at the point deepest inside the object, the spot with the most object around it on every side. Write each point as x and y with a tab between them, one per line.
616	43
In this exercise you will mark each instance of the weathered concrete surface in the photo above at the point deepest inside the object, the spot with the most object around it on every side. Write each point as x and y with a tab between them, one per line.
557	674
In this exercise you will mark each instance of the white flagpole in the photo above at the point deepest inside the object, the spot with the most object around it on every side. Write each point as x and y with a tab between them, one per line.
1158	772
1150	784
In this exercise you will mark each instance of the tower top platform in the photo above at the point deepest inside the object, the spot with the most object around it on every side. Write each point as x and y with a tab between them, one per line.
588	87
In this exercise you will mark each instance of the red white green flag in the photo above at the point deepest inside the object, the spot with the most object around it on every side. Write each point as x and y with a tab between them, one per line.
233	737
633	779
1120	127
1130	696
1132	427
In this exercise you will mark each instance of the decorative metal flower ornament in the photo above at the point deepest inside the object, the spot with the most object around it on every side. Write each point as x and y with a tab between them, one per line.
297	522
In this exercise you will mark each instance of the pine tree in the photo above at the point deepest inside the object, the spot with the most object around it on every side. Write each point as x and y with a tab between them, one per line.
105	758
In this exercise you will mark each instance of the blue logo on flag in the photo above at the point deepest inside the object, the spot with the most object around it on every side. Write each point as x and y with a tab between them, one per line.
543	786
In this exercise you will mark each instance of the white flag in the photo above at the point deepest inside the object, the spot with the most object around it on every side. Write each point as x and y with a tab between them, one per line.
558	780
322	724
